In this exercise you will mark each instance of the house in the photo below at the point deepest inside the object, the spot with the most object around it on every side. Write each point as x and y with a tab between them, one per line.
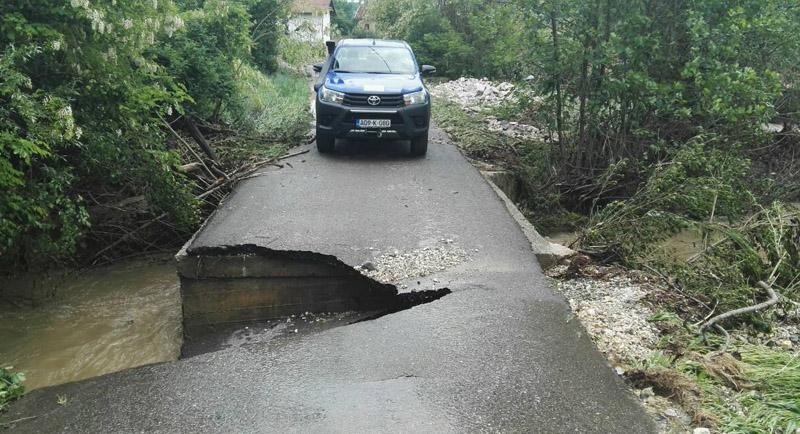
363	19
311	20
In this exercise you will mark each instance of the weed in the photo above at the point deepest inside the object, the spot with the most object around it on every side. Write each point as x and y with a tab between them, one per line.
275	106
11	386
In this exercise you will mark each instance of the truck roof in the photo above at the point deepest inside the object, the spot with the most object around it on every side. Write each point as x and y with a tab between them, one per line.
371	42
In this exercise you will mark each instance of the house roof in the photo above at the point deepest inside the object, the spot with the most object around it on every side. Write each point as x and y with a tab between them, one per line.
361	11
312	5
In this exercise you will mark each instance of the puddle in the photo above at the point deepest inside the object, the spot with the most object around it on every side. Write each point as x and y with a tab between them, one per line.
217	337
222	336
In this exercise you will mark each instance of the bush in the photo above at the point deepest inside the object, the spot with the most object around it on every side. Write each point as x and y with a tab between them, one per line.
36	210
698	181
202	56
11	386
85	88
265	31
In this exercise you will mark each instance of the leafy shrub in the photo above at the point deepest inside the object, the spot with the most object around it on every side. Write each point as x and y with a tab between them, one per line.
36	211
202	55
11	386
82	101
264	31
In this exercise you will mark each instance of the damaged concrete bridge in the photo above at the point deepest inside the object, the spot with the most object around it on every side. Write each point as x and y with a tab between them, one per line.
487	347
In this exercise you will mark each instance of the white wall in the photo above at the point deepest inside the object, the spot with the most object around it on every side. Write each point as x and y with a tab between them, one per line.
310	27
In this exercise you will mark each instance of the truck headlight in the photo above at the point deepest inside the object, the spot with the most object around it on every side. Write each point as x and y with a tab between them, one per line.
414	98
328	95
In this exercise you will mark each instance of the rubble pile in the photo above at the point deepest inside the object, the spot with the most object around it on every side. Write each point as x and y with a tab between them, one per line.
515	129
475	93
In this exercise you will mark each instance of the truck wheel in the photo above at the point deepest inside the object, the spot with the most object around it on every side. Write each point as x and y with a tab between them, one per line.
325	143
419	145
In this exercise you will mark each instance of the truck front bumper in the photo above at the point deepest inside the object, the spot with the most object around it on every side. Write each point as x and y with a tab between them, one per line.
339	120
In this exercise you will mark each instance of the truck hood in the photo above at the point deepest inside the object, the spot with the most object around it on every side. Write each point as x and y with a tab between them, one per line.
378	84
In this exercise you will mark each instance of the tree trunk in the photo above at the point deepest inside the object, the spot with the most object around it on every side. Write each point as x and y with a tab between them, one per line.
557	79
198	137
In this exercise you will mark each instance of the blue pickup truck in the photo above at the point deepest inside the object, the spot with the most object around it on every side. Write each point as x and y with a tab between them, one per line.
372	88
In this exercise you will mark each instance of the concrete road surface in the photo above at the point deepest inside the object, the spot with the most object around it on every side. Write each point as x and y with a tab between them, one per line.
500	353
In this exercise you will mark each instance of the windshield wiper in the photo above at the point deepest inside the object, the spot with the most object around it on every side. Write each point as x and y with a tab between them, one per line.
382	59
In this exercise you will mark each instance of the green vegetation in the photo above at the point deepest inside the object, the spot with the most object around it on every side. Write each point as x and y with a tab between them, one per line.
656	115
11	386
344	21
299	54
93	96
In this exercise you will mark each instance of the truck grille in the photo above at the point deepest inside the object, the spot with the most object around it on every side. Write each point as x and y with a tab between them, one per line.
360	100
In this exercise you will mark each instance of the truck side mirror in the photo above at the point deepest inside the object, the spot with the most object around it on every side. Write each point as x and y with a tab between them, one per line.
428	69
317	67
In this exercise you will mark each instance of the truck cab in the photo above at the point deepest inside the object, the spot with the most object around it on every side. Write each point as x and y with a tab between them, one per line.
372	88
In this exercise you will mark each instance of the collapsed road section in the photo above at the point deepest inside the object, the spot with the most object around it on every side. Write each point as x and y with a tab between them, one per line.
228	285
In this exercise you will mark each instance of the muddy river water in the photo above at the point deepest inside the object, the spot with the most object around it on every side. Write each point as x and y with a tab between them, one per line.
102	320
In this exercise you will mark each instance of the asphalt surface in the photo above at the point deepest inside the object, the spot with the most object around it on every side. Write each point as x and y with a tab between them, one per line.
500	353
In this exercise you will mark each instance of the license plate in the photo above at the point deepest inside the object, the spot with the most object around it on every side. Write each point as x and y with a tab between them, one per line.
374	123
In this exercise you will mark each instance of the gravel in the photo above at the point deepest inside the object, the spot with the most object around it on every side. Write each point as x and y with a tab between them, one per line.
612	309
613	313
397	266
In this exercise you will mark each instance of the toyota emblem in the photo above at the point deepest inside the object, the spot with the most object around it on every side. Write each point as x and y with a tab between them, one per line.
374	100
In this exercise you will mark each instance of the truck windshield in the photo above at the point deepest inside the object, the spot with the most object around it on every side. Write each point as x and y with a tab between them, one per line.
374	60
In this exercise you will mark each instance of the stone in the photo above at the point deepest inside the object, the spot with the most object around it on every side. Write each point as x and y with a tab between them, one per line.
647	392
671	412
701	430
369	266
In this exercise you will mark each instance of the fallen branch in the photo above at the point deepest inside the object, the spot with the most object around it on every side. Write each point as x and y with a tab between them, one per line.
294	154
12	422
773	298
189	147
190	167
200	139
127	236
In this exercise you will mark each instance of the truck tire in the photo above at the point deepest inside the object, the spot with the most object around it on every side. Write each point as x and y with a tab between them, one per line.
419	145
325	143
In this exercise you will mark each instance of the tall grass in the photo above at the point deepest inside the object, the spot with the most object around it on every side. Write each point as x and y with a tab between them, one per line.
774	405
275	106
